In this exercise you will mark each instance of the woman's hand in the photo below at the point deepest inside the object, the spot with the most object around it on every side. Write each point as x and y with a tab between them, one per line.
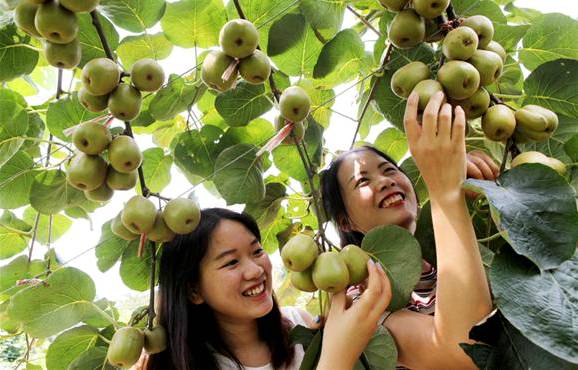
480	166
349	328
438	146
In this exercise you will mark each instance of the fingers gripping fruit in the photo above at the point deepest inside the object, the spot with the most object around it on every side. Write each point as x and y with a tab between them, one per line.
239	38
499	123
303	280
125	347
356	260
123	154
182	215
139	214
407	29
535	123
155	339
330	272
299	252
294	104
537	157
407	77
91	138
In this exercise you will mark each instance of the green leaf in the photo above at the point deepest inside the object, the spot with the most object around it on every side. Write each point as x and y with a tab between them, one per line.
96	319
195	151
92	359
534	207
542	305
559	143
109	248
16	177
238	174
295	52
399	252
266	210
134	48
571	148
311	356
89	40
321	101
17	269
551	36
51	193
243	104
286	157
424	233
381	352
157	169
272	236
69	345
190	23
47	309
546	87
490	9
257	132
325	16
133	15
135	270
60	225
13	124
65	113
392	142
509	36
16	56
175	98
341	58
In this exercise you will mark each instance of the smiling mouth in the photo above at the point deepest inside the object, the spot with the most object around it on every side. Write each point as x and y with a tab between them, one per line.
392	200
255	291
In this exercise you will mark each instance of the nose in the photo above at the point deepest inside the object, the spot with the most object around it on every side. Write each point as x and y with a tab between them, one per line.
253	270
383	182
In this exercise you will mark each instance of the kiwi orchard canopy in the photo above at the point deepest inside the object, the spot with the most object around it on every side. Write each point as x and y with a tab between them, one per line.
247	121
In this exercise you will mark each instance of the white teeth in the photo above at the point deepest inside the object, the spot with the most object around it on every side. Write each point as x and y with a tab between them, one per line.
391	200
255	291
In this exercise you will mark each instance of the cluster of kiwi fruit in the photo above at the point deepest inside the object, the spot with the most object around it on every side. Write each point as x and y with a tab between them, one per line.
239	40
103	86
330	271
56	23
90	172
127	343
140	216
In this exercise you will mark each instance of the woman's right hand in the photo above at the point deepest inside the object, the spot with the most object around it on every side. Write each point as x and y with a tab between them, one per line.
349	328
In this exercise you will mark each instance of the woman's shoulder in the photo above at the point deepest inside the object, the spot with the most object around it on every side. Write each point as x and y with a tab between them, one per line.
298	316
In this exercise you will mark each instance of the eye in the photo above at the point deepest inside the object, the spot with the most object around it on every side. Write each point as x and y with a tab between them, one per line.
232	262
258	251
389	169
361	181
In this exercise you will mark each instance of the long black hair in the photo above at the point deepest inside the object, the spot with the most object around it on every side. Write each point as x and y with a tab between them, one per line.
333	200
192	330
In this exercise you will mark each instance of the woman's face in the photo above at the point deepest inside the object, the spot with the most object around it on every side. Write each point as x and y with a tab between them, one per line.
376	193
235	274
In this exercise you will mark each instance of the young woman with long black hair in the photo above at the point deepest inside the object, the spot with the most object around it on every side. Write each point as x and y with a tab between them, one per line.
364	188
218	308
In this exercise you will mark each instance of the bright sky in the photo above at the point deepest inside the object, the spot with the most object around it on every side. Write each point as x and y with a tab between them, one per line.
338	136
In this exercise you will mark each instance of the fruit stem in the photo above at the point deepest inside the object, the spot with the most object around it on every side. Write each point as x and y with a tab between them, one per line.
106	316
505	157
372	91
101	35
151	310
104	339
364	21
489	238
145	191
508	96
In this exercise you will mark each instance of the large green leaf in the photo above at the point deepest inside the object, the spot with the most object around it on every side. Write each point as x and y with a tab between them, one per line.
325	16
13	124
16	177
381	352
109	248
195	151
341	58
157	169
266	210
92	359
134	48
257	132
47	309
551	37
58	226
506	348
135	270
175	98
295	52
400	254
545	87
16	56
65	113
134	15
490	9
272	235
14	235
392	142
96	319
321	101
19	268
424	233
243	104
89	40
51	193
535	209
509	36
543	306
69	345
190	23
238	174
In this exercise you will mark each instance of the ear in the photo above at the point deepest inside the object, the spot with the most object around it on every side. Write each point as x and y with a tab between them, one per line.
195	297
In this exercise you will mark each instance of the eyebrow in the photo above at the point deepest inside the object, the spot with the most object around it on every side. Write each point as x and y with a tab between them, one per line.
365	172
232	251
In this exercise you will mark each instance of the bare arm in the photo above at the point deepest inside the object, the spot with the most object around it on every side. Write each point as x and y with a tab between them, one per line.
463	296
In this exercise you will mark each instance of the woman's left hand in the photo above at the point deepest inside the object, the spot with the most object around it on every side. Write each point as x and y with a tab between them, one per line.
481	167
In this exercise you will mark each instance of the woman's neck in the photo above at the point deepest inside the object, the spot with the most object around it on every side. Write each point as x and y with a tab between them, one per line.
239	334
